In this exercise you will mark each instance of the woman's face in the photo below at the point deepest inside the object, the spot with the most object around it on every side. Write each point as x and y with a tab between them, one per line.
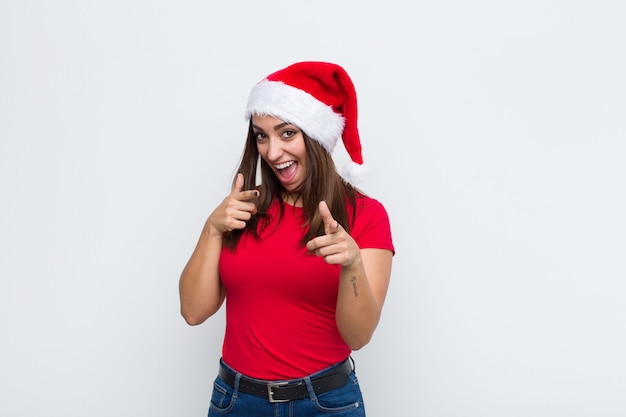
281	145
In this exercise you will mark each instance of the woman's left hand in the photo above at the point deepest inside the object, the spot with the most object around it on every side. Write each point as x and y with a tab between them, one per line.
336	245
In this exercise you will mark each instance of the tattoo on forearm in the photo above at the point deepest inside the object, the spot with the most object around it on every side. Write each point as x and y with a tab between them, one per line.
353	281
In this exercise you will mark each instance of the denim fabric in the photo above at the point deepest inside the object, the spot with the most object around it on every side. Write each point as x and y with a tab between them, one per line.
345	401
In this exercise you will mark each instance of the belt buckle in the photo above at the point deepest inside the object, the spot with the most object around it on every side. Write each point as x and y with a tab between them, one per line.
270	394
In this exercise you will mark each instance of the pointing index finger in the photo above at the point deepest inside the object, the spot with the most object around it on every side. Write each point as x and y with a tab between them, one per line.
330	224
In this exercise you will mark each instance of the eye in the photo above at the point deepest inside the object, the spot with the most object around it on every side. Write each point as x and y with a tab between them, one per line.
260	136
289	133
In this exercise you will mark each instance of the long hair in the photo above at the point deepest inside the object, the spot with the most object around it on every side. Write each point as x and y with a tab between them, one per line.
322	182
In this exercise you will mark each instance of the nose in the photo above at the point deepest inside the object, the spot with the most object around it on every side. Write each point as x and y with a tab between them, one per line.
274	149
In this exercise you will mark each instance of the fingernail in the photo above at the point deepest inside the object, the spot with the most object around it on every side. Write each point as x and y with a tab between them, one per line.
256	193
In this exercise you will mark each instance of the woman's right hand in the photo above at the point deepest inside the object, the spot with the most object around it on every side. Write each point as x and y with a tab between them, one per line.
234	211
201	290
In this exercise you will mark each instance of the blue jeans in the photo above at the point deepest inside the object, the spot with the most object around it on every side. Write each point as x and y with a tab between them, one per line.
345	401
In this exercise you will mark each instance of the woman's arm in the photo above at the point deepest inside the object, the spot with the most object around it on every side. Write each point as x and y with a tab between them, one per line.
363	281
200	287
362	290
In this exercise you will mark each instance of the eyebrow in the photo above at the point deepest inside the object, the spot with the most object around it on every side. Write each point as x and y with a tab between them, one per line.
277	127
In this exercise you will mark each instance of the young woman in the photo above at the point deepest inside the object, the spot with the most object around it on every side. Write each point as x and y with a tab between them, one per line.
303	259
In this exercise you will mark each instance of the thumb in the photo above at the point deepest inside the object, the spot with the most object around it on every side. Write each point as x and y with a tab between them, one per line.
330	224
238	185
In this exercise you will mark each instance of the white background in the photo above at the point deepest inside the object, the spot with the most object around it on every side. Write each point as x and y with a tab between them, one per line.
495	136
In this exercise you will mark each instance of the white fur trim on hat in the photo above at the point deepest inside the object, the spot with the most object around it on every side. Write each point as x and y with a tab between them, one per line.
354	173
292	105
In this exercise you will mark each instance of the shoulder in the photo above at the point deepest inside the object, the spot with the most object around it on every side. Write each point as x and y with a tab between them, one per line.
366	206
371	226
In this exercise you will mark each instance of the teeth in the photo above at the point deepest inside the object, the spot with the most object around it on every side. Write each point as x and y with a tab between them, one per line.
285	165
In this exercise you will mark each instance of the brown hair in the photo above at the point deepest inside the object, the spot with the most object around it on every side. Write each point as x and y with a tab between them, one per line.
322	182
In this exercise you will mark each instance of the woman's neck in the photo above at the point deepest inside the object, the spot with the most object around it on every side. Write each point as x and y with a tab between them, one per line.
293	199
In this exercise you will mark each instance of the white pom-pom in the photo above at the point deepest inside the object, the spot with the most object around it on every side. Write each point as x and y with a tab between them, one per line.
354	173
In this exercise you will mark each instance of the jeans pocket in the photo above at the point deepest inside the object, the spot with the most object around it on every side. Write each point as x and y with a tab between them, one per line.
222	398
347	399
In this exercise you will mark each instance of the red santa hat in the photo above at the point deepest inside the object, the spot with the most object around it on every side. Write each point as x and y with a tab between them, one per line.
320	99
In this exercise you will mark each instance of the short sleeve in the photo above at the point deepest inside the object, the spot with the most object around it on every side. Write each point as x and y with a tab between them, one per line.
371	227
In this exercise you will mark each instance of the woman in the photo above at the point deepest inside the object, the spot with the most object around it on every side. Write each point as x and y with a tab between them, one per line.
303	259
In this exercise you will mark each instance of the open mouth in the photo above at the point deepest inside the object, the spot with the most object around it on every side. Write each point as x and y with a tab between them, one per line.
287	170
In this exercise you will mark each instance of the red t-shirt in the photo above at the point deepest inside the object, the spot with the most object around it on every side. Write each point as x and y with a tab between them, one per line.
280	300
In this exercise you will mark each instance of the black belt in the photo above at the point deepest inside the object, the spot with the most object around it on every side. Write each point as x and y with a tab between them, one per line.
289	390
